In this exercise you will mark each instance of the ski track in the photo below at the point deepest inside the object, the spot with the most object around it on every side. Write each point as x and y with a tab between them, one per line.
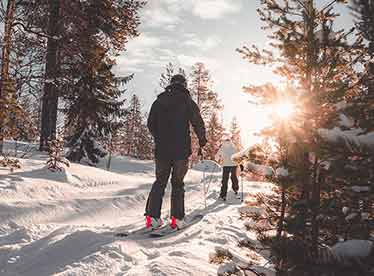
64	223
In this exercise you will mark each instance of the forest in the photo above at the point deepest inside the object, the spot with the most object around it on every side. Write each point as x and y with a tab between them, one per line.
62	102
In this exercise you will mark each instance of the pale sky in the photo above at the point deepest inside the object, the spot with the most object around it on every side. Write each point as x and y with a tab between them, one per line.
209	31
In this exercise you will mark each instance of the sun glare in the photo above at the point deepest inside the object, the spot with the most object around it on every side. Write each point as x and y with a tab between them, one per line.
284	110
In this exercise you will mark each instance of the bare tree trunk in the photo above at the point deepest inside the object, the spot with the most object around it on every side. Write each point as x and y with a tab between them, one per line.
5	81
50	96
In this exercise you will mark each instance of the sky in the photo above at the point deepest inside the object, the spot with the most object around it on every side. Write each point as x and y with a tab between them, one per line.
208	31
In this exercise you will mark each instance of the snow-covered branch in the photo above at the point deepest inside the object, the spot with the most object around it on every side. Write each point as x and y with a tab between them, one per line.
259	169
351	139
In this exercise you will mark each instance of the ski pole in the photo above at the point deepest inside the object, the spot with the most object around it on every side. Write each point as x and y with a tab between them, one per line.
204	184
241	180
200	153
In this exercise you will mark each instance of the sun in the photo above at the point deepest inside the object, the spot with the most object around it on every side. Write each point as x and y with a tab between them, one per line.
284	110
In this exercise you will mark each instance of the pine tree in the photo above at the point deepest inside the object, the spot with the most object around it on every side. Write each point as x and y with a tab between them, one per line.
235	134
169	73
10	163
145	142
56	160
133	138
318	62
200	87
355	167
110	23
95	31
91	109
214	136
134	123
10	110
362	111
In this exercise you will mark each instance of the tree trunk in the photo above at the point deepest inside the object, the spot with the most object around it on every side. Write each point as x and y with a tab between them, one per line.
5	81
283	212
316	201
50	96
371	66
310	181
109	162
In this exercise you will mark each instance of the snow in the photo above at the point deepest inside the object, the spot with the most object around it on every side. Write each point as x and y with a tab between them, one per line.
262	170
259	169
351	216
350	138
359	189
227	269
353	249
241	154
345	210
365	215
207	166
341	105
345	121
281	172
64	223
49	80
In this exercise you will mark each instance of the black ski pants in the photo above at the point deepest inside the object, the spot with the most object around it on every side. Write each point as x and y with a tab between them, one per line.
164	168
225	179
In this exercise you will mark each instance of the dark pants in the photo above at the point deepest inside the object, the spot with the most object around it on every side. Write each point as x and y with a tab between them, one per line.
225	179
178	170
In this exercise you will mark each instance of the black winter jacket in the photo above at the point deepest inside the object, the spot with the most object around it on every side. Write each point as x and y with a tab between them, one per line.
169	122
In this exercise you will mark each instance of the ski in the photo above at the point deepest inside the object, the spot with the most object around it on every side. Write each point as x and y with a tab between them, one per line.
140	231
167	230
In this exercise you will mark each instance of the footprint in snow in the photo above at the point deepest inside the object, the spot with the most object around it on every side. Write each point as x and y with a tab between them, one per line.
178	253
217	240
151	254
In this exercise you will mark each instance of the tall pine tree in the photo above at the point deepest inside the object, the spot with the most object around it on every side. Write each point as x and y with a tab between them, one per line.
236	134
109	23
92	107
214	135
201	88
133	138
318	61
170	71
362	111
133	128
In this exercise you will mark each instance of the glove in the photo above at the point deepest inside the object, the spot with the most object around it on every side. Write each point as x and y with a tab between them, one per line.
241	167
200	153
202	142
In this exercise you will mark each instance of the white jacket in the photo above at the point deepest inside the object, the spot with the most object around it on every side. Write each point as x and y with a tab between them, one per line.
225	152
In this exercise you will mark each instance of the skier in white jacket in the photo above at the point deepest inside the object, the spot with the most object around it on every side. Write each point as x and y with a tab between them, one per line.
229	167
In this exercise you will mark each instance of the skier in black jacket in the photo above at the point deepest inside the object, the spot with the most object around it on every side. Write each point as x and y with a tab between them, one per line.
169	123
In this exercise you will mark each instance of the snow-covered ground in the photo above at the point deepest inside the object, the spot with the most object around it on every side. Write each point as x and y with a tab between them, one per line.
64	223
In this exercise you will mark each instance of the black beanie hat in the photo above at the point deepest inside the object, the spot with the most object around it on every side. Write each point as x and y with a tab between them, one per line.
178	79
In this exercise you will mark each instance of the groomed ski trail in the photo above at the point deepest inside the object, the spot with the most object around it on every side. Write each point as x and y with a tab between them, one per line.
66	226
